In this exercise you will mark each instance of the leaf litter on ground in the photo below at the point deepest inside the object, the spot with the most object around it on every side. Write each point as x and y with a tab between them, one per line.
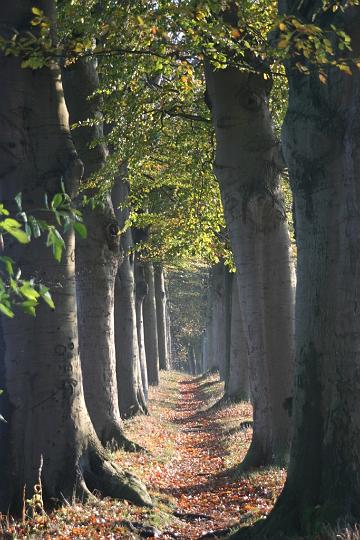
191	469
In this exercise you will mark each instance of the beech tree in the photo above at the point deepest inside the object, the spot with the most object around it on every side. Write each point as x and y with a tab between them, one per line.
97	259
150	328
321	138
141	292
48	419
237	381
160	297
247	165
131	397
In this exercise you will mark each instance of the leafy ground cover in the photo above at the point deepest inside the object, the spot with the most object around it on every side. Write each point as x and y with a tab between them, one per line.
193	447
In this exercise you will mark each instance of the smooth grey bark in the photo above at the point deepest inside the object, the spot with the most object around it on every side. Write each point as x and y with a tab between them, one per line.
237	383
47	415
160	297
321	137
191	360
204	352
219	318
168	324
247	167
131	397
97	260
141	292
150	328
211	360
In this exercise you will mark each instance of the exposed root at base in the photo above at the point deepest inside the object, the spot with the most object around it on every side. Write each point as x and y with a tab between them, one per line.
115	439
101	475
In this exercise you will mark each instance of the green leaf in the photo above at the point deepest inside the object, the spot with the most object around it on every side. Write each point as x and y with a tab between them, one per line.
28	306
37	11
81	229
14	286
35	226
6	310
46	296
57	200
29	292
57	243
13	227
8	263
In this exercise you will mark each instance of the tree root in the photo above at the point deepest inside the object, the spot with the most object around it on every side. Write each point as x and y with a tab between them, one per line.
145	531
188	516
114	439
101	475
217	533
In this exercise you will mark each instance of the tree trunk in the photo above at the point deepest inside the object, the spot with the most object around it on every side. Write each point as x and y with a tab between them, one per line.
150	328
204	352
219	330
211	364
96	265
160	297
321	136
141	292
131	398
47	414
168	325
191	359
237	384
248	172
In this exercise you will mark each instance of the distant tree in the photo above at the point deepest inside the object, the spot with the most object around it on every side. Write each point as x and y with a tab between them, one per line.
131	396
150	327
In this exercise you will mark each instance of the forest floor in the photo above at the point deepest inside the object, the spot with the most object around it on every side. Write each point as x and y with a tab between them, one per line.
191	471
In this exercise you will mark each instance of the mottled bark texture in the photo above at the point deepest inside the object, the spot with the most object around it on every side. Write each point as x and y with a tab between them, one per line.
219	330
160	297
168	325
321	137
47	414
150	328
131	397
237	383
97	260
247	168
141	292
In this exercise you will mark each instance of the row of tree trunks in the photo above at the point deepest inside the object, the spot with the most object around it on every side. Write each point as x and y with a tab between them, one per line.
321	138
141	292
150	328
131	394
161	312
96	265
194	358
48	422
247	167
225	324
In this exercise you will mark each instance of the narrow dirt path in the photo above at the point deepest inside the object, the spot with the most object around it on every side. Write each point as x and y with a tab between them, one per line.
190	471
197	476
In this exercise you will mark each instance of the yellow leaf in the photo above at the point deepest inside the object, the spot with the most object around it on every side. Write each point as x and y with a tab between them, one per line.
323	78
282	26
235	33
283	43
345	68
37	11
